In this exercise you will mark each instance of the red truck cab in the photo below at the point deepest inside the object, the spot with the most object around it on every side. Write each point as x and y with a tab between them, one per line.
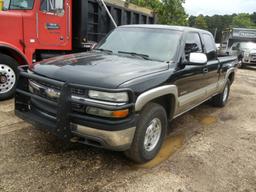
33	30
30	25
27	26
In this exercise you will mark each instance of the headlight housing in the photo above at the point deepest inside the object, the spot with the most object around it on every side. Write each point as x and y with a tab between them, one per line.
107	96
107	113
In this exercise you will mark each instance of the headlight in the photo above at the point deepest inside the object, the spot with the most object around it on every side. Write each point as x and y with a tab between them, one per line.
107	96
106	113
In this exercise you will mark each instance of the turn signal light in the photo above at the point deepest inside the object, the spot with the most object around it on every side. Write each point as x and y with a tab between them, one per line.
120	113
106	113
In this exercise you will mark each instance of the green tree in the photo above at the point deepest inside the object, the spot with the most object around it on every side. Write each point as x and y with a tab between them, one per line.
169	12
243	20
191	21
172	12
253	17
218	23
152	4
200	22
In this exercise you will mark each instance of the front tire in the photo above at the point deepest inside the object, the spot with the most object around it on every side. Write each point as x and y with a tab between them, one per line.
221	99
150	133
8	76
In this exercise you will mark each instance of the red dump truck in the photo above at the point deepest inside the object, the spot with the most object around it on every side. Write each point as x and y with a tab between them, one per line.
33	30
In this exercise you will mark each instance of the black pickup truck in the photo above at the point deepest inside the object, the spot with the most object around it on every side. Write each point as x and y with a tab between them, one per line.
123	94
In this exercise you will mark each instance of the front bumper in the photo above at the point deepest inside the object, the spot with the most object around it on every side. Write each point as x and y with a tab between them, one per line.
59	118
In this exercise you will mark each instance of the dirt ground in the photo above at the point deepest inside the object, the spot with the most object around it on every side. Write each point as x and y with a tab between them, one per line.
209	149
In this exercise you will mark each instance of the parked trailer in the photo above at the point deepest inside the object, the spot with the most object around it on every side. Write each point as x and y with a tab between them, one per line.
99	24
231	36
33	30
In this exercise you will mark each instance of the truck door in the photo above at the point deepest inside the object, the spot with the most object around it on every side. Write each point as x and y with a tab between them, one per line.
53	22
211	75
190	86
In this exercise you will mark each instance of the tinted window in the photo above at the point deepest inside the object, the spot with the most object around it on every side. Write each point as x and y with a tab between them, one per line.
18	5
193	43
210	47
52	5
248	46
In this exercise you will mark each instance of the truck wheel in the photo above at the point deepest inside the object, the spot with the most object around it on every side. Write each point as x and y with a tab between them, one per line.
150	133
221	99
8	76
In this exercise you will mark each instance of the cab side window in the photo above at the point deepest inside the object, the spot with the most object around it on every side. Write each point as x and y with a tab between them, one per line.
192	44
210	47
52	5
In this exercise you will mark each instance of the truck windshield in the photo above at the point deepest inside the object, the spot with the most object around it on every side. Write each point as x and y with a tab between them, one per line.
18	4
154	44
248	46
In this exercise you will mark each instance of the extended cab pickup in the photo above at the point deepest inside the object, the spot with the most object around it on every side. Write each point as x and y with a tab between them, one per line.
123	94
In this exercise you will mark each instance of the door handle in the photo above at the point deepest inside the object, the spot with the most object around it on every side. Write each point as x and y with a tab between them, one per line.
52	26
205	70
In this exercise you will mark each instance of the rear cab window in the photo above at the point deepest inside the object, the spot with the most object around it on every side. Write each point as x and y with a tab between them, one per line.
209	46
193	43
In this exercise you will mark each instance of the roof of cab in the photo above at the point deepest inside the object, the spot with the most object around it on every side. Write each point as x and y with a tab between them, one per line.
171	27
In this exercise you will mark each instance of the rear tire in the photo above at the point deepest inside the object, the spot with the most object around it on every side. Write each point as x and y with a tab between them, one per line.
150	133
221	99
8	76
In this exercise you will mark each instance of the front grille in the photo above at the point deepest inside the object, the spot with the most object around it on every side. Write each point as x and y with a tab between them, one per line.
41	89
253	57
76	107
76	91
45	90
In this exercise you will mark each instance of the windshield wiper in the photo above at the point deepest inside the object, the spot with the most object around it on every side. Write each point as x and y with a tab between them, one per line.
144	56
104	50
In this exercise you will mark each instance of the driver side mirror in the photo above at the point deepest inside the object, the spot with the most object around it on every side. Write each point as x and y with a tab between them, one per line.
197	59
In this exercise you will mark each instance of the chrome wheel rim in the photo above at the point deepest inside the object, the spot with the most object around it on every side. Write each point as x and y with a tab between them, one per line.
7	78
152	134
225	93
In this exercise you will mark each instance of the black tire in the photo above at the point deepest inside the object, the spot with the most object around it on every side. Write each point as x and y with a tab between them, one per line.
219	100
150	113
12	63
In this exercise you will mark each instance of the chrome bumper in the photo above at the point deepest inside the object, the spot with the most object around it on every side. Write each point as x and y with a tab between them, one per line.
114	140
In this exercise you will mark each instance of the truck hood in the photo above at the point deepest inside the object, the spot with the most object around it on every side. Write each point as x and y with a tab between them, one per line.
97	69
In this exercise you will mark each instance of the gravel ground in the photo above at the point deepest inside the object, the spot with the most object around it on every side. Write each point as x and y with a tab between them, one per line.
209	149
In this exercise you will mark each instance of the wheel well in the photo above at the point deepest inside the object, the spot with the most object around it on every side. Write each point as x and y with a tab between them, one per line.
168	103
14	54
231	77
